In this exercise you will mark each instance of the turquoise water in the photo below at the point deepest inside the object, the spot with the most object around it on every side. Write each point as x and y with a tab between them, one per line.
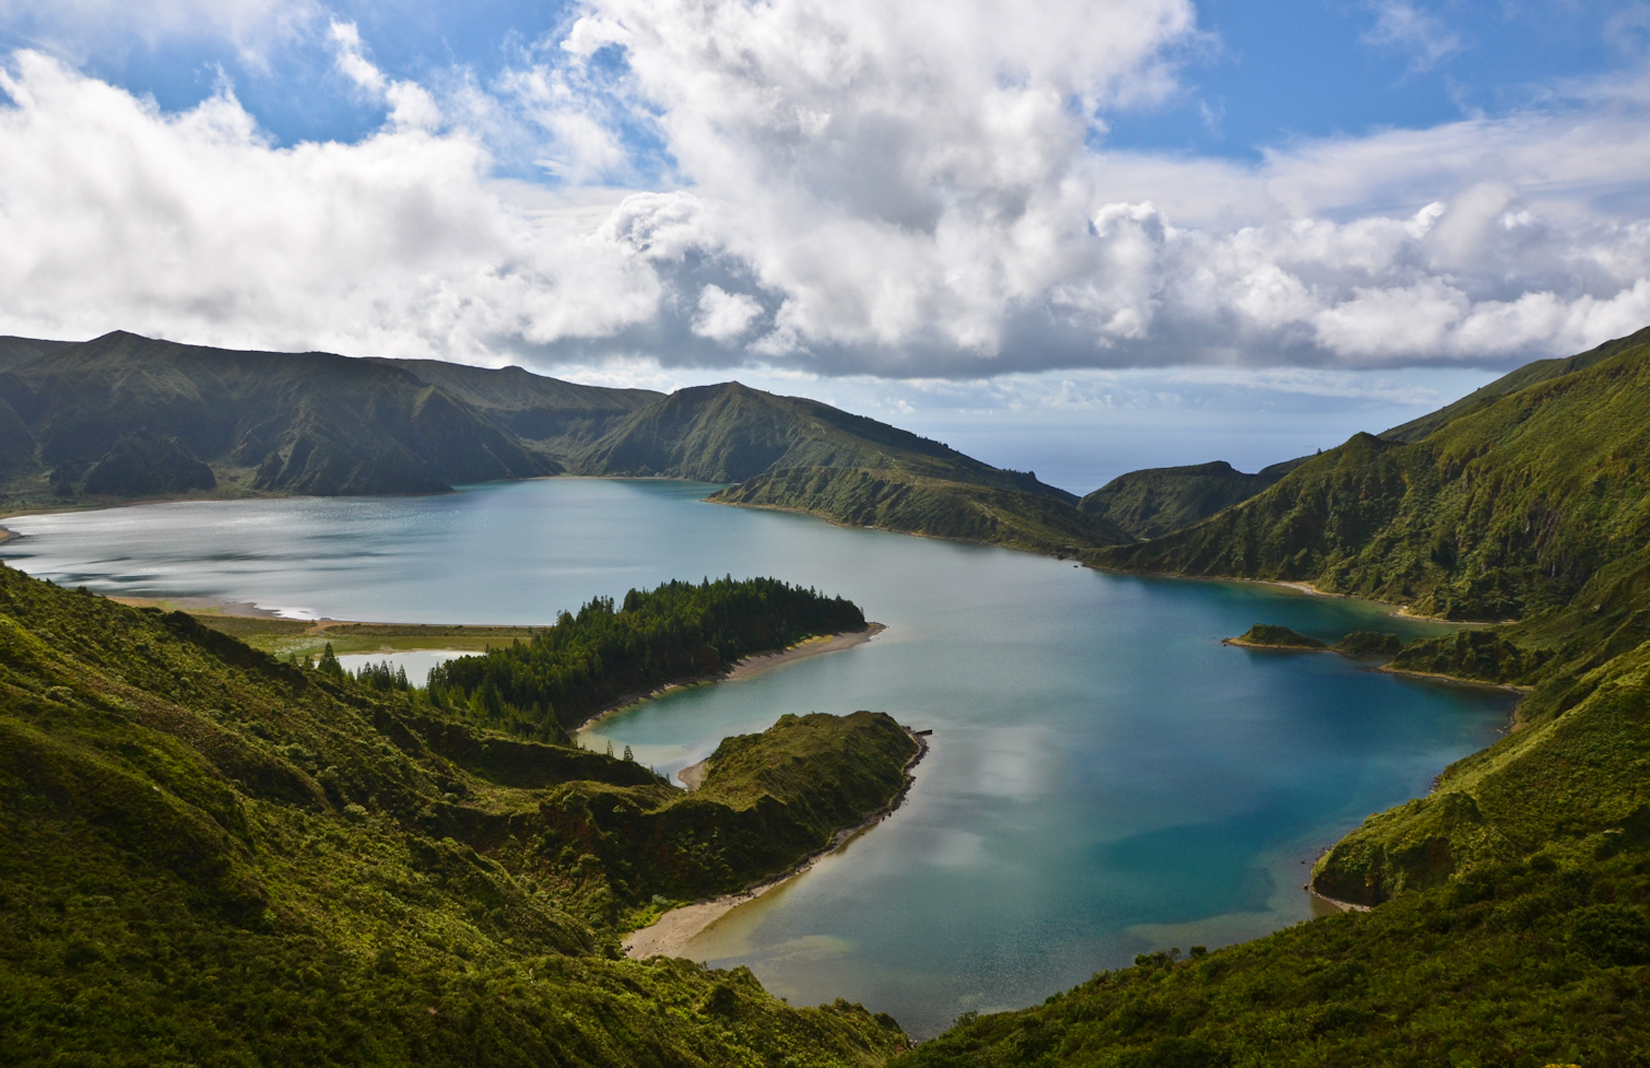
1105	777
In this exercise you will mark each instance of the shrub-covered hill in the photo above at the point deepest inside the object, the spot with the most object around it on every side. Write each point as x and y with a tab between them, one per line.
1531	502
1161	500
123	417
550	684
893	500
214	858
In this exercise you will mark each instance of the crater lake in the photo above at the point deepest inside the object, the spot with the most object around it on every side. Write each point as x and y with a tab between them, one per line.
1105	778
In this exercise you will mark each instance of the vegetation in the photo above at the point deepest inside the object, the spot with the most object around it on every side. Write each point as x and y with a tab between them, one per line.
124	416
1369	643
1270	636
767	801
214	857
890	500
679	631
1158	501
1530	503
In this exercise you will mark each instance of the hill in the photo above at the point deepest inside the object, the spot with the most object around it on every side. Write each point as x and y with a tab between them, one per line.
215	858
124	417
1534	501
267	422
1160	500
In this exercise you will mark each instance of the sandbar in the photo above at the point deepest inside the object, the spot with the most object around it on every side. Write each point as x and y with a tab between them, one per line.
676	928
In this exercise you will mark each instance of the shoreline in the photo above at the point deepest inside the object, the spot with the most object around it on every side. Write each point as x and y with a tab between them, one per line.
1399	610
673	930
1344	906
745	668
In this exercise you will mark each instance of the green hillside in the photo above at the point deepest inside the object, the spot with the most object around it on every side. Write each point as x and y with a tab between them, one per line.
730	433
1533	502
914	504
1528	375
124	417
1160	500
215	858
265	422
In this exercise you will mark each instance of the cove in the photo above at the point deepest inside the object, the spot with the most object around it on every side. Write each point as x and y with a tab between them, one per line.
1105	778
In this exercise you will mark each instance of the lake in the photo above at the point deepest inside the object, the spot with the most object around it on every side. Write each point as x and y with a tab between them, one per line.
1104	779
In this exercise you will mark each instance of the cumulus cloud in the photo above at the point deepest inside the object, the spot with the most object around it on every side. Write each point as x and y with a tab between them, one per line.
837	187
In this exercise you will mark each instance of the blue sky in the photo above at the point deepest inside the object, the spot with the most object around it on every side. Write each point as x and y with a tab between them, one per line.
1223	227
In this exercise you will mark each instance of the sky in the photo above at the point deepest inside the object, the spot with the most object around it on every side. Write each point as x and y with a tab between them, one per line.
1077	236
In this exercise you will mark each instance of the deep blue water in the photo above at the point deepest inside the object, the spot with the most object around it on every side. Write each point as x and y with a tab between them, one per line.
1105	777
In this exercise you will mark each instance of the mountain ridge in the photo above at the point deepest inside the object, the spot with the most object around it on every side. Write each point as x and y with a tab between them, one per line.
123	417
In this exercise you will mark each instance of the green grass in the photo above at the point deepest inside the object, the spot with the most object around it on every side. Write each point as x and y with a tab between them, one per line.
215	858
1161	500
937	507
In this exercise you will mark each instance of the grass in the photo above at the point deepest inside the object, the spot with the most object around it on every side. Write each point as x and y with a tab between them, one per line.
216	858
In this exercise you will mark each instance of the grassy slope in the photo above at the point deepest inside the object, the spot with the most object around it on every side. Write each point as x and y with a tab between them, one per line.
124	417
280	422
1528	375
214	858
769	800
891	500
1161	500
789	452
1520	508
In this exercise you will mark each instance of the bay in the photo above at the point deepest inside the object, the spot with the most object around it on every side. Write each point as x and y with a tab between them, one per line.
1104	779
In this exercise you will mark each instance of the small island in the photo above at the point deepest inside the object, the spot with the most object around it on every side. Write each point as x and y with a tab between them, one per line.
1270	636
1360	644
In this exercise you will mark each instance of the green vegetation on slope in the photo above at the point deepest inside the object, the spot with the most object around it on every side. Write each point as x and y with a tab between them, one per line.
124	417
1160	500
215	858
1272	636
767	801
891	500
679	631
1531	503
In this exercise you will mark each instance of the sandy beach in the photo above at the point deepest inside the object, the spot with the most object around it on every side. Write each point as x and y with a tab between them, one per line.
678	926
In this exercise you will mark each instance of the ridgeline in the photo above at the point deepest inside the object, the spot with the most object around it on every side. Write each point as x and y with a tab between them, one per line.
216	858
124	418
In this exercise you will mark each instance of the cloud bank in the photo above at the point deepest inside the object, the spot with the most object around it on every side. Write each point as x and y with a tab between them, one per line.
847	187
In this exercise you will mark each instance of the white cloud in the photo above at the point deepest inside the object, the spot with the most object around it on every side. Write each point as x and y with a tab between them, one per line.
411	106
911	189
724	316
75	27
1405	26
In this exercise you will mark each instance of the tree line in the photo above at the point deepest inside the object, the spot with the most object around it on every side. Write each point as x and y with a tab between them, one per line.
548	685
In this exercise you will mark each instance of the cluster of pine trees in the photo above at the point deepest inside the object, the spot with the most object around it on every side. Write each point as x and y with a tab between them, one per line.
544	687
